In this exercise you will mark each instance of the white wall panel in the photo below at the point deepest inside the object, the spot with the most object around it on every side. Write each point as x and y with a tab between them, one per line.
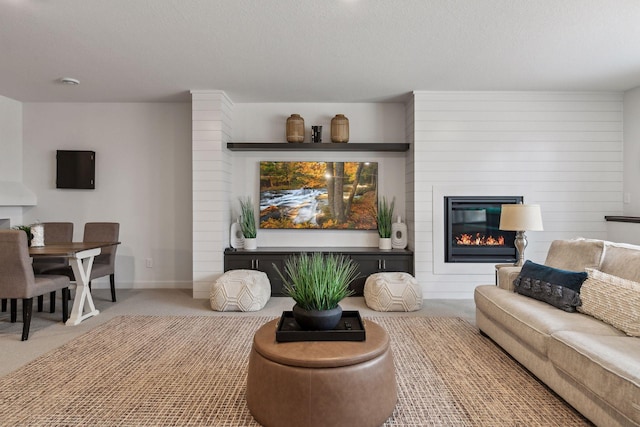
561	150
211	129
143	181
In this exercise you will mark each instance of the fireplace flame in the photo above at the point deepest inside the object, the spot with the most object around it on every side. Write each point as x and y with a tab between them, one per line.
478	240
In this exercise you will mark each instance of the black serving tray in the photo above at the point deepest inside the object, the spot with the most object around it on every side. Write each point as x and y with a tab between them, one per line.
350	328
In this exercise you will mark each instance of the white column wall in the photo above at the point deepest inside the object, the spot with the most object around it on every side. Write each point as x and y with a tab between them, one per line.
632	151
625	231
561	150
211	130
11	154
410	174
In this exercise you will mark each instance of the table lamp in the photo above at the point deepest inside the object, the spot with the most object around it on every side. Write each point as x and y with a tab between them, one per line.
520	218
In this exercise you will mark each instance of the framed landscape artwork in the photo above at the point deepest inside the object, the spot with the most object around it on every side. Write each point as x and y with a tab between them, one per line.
318	195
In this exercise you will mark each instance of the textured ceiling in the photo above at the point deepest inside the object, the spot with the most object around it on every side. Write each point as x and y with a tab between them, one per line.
312	51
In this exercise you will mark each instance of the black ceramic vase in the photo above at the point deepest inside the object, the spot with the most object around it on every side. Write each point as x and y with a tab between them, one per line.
317	320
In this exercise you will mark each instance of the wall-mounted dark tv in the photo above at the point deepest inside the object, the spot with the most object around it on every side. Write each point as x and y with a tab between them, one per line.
318	195
76	169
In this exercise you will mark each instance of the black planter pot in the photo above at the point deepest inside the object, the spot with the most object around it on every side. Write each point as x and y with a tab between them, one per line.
317	320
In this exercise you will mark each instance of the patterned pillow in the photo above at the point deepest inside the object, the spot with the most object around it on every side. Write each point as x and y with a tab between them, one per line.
560	288
613	300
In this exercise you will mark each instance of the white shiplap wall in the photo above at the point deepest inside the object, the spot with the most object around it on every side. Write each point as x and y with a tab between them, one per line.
211	130
410	173
562	150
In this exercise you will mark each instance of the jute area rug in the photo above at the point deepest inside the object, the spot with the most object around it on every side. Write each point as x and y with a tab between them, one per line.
191	371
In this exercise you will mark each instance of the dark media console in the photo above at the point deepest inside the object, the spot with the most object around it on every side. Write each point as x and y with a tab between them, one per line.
369	261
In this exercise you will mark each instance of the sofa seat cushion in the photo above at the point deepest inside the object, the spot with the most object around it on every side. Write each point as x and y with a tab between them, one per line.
533	321
605	364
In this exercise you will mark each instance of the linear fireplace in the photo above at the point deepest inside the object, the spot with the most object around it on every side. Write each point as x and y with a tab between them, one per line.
472	231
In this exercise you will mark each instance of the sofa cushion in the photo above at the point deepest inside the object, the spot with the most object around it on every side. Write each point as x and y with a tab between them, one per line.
575	255
532	321
554	286
613	300
621	260
607	365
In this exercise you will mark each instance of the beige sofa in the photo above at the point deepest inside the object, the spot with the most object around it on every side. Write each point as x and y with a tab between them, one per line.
589	363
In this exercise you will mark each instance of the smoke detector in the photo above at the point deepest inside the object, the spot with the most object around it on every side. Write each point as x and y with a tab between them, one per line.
70	81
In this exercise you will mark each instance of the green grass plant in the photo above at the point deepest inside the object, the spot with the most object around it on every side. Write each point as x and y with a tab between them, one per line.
247	220
317	281
26	229
384	217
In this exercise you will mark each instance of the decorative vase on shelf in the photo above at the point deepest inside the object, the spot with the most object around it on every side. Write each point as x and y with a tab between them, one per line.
251	244
384	243
236	238
295	128
339	128
398	234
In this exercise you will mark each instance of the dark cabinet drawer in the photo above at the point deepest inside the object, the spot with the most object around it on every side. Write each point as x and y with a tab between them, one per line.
370	264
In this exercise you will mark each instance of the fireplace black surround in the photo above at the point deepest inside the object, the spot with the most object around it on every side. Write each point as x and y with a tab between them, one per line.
472	231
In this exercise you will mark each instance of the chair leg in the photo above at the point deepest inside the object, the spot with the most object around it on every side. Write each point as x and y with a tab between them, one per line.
65	305
4	304
52	302
112	279
27	308
14	310
40	303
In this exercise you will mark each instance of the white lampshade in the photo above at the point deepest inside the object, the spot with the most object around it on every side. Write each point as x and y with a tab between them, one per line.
521	217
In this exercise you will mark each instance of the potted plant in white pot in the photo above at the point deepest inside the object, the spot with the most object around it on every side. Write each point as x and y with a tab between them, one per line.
248	223
26	229
317	283
384	217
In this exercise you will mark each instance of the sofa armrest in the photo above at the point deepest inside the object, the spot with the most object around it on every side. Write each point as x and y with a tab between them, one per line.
506	275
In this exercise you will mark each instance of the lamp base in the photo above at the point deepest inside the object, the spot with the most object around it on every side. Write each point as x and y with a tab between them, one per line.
521	244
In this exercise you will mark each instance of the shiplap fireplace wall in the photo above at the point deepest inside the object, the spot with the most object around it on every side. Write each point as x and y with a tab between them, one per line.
562	150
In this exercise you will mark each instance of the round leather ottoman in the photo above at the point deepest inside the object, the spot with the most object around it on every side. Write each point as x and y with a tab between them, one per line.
321	383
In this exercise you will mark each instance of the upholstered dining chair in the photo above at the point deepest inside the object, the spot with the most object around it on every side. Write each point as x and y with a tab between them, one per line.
54	232
105	263
17	280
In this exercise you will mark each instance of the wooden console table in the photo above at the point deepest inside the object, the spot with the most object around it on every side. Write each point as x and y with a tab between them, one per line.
369	261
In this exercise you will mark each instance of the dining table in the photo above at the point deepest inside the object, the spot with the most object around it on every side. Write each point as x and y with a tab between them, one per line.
81	256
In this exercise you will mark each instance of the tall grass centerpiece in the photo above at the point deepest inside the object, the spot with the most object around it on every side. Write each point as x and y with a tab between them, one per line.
384	217
317	283
248	223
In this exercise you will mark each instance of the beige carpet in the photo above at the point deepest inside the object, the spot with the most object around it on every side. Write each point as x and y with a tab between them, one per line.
191	371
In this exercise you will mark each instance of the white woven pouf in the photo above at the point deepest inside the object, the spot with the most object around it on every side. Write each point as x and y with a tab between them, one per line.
392	292
240	290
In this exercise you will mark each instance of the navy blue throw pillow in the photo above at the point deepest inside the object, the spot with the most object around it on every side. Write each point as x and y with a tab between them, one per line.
560	288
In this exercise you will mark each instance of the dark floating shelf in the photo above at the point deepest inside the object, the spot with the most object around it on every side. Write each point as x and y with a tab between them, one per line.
634	219
323	146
